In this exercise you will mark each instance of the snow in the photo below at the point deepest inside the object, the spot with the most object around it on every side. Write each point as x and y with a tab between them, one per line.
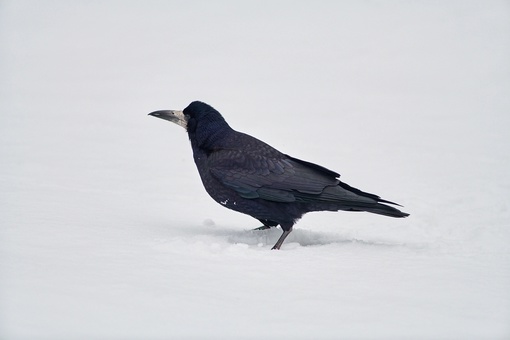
107	233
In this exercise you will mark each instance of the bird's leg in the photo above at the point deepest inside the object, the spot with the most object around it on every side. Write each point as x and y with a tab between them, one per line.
281	239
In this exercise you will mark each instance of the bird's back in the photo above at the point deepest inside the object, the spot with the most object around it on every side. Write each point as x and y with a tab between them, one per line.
249	169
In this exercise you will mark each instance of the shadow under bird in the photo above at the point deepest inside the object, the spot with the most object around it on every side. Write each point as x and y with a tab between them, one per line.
247	175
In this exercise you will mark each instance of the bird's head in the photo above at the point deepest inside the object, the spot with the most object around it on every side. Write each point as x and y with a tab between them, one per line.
196	113
201	121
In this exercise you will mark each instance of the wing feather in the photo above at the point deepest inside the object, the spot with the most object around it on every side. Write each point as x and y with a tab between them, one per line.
276	177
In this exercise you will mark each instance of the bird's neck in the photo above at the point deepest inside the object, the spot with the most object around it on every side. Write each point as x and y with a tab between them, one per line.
211	137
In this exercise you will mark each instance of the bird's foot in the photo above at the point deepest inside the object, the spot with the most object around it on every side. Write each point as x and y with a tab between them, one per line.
264	227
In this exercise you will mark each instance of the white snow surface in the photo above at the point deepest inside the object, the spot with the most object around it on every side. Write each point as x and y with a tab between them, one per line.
107	233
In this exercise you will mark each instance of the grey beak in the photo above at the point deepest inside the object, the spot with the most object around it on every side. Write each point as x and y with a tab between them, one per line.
174	116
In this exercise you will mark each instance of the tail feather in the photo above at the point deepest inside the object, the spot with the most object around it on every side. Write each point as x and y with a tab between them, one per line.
386	210
345	197
377	207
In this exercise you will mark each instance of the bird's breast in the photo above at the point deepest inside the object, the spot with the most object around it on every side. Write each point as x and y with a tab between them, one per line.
221	194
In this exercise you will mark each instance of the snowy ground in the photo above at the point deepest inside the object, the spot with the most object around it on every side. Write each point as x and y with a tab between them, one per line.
107	233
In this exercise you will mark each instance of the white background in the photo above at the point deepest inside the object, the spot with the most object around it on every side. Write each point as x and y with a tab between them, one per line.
107	233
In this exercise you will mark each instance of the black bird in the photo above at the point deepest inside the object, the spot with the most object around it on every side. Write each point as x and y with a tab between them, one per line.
247	175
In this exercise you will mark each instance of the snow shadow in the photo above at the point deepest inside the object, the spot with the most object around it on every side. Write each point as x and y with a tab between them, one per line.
303	237
263	238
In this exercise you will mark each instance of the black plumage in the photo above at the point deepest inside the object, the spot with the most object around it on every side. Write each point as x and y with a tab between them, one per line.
247	175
